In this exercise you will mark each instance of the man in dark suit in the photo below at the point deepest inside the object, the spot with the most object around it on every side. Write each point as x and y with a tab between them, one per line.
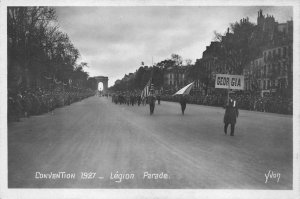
183	103
151	100
231	113
158	99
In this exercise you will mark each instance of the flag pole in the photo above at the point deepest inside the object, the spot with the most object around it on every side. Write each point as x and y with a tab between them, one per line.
152	71
151	78
152	61
228	90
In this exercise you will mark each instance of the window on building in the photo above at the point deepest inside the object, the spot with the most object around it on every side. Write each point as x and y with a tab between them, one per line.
270	68
171	82
283	83
279	52
282	69
264	86
284	52
290	51
265	56
279	83
274	53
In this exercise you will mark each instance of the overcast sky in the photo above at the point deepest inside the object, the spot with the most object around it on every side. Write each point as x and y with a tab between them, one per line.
115	40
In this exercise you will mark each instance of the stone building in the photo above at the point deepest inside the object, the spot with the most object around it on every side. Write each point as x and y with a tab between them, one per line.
274	31
175	77
209	65
272	72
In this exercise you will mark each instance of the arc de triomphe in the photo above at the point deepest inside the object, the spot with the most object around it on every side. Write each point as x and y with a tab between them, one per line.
104	81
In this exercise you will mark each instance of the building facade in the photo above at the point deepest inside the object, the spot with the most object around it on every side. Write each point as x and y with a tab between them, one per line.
175	77
272	72
272	69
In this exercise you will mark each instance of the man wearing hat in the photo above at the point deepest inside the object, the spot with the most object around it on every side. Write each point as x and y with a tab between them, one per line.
182	102
151	100
231	113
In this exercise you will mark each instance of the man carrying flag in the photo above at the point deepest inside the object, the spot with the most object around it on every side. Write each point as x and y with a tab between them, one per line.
151	99
182	102
183	96
146	92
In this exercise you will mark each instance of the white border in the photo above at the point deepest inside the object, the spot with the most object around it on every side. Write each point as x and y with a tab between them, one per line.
145	193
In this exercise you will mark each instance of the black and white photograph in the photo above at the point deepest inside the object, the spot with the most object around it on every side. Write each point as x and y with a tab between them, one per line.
150	99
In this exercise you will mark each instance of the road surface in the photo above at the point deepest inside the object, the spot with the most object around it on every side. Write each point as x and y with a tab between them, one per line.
165	150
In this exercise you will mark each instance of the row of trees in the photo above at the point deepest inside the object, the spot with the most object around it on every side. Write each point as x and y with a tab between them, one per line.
229	53
39	54
138	79
234	49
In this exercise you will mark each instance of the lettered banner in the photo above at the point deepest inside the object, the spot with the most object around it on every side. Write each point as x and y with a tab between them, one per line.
229	81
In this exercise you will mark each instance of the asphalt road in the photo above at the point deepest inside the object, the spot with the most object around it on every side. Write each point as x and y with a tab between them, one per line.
191	151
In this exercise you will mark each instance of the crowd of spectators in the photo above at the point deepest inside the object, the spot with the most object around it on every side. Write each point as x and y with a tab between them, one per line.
27	102
267	103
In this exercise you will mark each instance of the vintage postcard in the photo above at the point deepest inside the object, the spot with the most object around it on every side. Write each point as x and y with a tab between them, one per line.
149	99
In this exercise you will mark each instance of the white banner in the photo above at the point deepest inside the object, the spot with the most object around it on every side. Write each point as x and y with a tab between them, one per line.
229	81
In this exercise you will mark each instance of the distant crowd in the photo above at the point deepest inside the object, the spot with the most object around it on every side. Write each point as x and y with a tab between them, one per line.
128	98
268	103
28	102
131	98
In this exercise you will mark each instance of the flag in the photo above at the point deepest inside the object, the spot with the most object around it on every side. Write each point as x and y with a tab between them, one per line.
147	89
185	90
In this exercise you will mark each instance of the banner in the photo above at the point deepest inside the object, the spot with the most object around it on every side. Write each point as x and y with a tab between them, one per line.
229	81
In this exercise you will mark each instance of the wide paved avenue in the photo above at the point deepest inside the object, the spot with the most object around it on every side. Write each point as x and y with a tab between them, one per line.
98	136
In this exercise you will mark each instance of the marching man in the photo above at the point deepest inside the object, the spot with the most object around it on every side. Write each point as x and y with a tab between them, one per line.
231	113
182	102
151	100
